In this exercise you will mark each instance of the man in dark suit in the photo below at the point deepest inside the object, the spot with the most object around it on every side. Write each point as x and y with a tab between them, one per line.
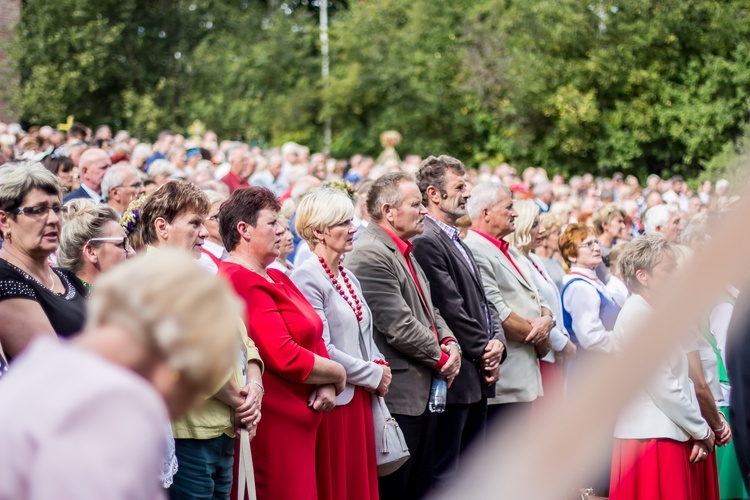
94	164
407	328
738	369
458	293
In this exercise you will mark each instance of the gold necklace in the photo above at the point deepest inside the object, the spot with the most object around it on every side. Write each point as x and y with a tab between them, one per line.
248	266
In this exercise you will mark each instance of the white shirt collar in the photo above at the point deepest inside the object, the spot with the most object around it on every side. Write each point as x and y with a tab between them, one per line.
588	273
92	194
214	249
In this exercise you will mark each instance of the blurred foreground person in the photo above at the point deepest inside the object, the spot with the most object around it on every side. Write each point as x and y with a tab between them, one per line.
160	334
661	435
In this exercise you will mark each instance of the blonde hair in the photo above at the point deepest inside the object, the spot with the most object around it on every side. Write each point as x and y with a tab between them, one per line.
83	220
320	210
183	314
527	211
642	253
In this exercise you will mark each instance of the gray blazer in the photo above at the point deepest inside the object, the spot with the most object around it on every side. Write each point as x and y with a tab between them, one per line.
520	379
401	325
340	331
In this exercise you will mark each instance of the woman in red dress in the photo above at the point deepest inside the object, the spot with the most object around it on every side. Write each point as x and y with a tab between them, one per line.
300	380
347	440
661	439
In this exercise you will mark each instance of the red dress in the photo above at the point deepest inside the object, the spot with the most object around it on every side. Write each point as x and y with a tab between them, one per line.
288	332
659	469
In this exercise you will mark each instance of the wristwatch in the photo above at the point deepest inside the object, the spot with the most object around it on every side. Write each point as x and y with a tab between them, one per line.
453	342
554	322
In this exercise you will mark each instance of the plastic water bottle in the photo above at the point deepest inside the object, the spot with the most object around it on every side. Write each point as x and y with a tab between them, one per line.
438	394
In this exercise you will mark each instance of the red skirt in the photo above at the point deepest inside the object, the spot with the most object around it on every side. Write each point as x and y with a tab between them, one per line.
345	457
553	384
659	469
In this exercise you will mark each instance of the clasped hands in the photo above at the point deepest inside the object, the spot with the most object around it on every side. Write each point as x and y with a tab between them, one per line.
493	353
247	415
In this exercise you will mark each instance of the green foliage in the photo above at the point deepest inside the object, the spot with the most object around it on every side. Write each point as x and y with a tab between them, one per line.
639	86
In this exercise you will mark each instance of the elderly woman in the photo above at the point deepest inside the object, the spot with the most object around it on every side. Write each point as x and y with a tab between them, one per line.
324	221
213	251
160	334
301	379
92	240
286	248
526	238
34	298
589	311
661	436
548	249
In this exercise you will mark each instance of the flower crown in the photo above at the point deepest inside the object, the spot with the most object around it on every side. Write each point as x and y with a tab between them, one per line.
132	216
344	186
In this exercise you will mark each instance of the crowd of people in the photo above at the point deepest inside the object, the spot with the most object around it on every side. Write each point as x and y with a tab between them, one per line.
361	321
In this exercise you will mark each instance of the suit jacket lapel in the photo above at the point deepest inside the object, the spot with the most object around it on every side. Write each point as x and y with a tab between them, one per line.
445	239
503	260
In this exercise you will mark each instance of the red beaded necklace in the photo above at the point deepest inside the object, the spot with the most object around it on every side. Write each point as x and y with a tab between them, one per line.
356	305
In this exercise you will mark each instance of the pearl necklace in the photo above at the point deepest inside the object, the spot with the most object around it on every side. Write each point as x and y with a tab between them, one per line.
356	305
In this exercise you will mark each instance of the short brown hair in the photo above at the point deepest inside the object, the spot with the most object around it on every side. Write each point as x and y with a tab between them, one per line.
243	206
169	202
432	173
606	214
571	239
384	191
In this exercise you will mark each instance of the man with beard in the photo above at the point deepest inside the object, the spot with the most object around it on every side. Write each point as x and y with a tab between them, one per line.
458	293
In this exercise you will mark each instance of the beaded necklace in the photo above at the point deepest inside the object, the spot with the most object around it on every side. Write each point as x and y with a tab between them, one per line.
356	305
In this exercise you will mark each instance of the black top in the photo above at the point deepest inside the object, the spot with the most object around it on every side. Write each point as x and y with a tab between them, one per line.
66	312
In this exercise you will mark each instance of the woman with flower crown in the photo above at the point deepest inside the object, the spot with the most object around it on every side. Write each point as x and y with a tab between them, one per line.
346	439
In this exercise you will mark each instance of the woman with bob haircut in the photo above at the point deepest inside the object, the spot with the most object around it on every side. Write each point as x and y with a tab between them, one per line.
35	299
92	240
324	221
161	333
301	379
661	436
589	311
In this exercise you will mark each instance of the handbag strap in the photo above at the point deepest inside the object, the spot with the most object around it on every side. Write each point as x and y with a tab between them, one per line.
246	482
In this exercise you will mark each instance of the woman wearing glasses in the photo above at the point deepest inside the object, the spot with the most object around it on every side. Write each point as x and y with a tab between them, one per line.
92	240
589	311
35	299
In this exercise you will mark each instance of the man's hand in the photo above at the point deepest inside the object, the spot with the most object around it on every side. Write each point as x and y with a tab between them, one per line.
493	353
451	368
540	328
385	381
491	376
567	354
322	398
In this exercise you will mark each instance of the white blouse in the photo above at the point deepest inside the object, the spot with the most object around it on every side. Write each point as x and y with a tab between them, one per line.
543	281
583	303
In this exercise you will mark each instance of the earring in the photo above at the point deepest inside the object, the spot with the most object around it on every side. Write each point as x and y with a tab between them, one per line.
7	237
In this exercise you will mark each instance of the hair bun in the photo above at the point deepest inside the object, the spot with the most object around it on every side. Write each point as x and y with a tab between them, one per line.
76	208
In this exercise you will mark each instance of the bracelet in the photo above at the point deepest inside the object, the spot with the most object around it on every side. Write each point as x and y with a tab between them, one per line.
381	362
721	429
259	385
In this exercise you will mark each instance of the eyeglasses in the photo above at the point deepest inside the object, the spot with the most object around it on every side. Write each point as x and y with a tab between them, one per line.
120	242
213	217
590	244
37	211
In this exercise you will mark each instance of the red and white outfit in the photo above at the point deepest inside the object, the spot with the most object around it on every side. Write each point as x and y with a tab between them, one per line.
654	434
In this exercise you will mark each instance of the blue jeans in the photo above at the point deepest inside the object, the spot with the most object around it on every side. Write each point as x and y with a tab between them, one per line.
204	469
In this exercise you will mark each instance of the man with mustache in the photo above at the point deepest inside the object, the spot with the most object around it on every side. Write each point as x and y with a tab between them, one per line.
407	328
458	293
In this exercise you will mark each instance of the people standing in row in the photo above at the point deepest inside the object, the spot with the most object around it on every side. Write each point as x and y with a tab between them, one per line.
407	328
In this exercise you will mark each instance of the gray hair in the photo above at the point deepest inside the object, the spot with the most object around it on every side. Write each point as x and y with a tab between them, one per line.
385	191
83	220
484	195
214	196
695	230
161	167
114	177
642	254
141	151
18	179
657	216
542	188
